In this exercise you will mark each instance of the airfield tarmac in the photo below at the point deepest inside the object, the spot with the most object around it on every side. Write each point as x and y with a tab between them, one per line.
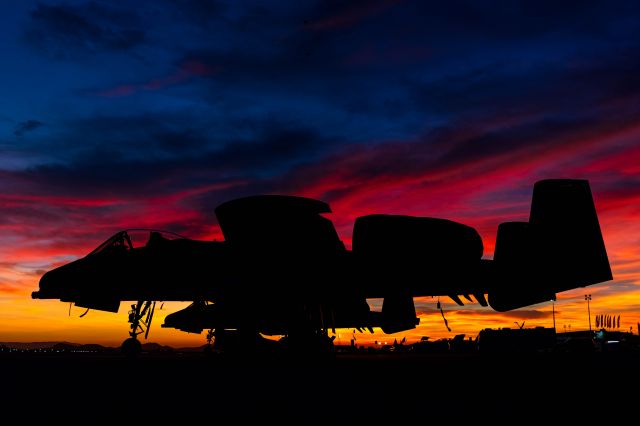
509	388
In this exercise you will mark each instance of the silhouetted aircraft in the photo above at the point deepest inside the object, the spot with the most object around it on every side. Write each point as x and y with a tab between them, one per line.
282	269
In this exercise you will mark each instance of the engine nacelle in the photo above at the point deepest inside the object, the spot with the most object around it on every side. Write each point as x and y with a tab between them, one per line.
413	255
429	240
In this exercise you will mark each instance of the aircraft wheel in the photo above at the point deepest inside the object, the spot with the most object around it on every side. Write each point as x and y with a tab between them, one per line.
131	347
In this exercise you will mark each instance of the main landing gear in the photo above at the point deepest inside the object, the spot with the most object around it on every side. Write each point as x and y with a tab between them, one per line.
140	317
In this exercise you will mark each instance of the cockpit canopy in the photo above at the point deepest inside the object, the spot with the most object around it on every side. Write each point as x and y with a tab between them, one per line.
130	239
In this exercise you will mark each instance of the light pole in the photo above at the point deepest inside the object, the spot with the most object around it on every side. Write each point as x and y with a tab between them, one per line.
587	297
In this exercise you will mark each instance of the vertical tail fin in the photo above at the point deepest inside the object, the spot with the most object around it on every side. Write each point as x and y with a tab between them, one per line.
567	233
560	248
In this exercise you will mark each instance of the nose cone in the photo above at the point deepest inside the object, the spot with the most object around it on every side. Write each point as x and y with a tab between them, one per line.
46	286
57	281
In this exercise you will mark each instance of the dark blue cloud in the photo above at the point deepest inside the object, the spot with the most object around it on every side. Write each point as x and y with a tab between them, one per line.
200	12
130	155
71	31
27	126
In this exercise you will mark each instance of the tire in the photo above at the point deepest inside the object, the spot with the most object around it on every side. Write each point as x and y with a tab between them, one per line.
131	347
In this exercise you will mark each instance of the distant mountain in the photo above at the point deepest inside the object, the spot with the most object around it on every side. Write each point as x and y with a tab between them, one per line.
93	347
156	347
65	346
35	345
191	349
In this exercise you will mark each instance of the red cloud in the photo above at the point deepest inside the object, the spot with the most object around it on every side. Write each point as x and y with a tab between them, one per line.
186	71
350	16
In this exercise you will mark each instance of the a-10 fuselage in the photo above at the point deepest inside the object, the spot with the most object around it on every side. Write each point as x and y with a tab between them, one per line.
282	263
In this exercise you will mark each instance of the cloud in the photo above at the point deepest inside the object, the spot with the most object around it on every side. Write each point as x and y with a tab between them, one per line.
10	288
387	55
464	156
26	127
339	15
184	73
155	154
519	313
405	75
67	31
201	12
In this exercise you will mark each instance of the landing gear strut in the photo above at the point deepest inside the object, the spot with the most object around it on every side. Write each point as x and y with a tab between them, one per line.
140	317
210	339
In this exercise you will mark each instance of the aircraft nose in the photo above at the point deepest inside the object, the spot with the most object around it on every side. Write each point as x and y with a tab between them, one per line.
45	286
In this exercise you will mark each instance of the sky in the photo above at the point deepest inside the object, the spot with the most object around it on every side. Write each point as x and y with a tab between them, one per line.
119	114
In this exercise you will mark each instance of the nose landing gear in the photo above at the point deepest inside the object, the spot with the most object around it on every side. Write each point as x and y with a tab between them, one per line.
140	317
